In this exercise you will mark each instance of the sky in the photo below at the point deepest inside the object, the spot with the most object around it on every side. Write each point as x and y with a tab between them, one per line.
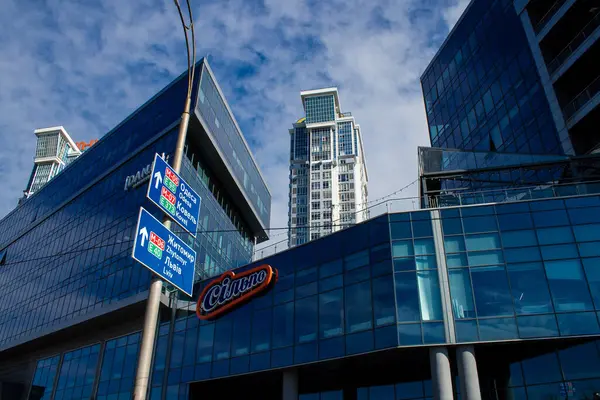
86	65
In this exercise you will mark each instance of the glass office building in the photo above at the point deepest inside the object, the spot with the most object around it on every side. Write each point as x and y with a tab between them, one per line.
496	301
65	252
482	89
503	101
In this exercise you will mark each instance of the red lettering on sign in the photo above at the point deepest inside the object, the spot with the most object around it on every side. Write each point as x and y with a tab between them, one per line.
154	238
166	193
172	176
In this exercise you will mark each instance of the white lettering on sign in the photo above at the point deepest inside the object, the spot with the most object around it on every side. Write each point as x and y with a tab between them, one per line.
178	248
140	177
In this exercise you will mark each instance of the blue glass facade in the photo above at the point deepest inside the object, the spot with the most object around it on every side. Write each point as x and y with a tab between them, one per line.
482	90
506	272
66	250
212	109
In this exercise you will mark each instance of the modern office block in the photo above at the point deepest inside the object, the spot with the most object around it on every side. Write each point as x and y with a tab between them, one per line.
65	252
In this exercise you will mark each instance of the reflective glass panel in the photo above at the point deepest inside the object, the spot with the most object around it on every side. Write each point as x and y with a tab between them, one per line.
358	307
384	305
592	272
542	369
492	294
331	313
429	295
529	288
580	362
461	294
568	286
407	297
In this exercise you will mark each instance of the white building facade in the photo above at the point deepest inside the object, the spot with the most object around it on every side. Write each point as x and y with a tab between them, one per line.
328	173
54	151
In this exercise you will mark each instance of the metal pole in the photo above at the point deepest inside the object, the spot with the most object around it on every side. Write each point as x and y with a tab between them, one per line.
153	304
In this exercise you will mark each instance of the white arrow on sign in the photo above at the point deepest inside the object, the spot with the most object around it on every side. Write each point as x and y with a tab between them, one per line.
158	178
144	234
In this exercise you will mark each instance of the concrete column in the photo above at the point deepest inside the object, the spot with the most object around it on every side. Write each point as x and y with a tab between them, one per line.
290	385
467	373
441	377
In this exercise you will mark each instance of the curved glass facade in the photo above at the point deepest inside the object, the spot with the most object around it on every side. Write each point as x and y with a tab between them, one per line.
504	275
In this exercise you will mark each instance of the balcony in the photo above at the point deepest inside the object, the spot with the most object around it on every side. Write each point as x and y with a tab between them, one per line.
574	44
582	99
547	16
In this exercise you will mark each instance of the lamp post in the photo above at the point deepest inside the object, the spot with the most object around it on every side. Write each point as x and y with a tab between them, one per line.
153	303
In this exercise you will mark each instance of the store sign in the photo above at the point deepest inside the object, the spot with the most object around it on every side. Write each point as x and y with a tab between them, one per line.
231	290
140	177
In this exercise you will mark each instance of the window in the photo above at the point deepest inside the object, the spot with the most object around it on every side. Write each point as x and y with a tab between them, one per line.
327	174
315	216
315	195
568	286
118	365
429	295
461	294
283	325
315	176
43	379
326	185
315	205
407	297
315	185
492	295
331	313
529	289
358	307
383	299
261	330
306	319
319	109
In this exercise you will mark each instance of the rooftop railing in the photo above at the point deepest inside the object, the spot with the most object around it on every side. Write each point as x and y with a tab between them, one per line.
456	198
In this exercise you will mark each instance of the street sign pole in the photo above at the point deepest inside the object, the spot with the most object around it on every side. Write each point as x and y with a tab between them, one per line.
153	304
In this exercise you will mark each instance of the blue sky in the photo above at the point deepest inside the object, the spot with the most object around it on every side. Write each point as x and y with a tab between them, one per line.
86	65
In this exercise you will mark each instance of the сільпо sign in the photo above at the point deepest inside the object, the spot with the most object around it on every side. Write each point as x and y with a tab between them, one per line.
174	196
161	251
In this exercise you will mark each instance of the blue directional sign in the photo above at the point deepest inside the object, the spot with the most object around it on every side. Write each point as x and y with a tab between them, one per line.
163	253
174	196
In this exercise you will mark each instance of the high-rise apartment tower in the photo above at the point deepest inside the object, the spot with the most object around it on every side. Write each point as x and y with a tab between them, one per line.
328	174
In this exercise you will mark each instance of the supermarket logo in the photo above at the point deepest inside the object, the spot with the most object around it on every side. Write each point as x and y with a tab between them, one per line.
230	290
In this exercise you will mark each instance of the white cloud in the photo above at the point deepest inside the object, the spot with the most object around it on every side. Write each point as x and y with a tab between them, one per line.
454	11
78	65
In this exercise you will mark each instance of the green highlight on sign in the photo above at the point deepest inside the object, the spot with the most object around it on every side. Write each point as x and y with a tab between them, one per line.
155	250
170	184
165	203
